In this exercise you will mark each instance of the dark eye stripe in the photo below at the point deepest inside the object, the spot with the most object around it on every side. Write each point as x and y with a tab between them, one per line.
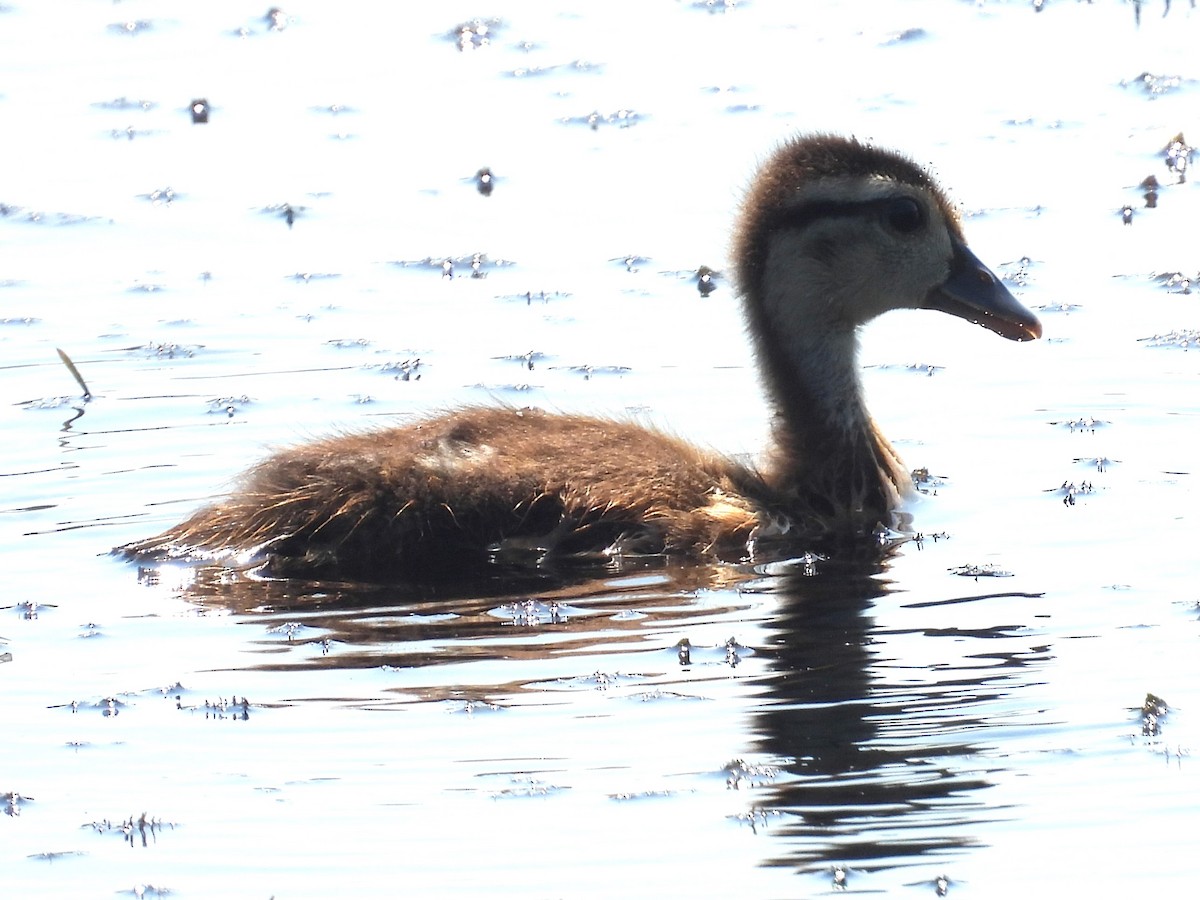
797	218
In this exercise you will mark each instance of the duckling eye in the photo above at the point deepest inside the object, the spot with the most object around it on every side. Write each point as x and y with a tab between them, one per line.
904	214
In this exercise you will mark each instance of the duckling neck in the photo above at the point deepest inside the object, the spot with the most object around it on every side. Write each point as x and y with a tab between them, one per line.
830	458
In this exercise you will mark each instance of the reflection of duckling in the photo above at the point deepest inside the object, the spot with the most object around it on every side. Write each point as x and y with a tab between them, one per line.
832	234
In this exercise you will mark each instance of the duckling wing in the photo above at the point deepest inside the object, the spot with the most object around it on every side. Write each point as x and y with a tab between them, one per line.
503	485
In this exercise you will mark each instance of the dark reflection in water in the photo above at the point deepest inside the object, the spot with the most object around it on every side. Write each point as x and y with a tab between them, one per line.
879	764
880	750
419	625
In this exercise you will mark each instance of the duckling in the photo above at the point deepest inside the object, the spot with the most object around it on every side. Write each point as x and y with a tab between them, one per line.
831	234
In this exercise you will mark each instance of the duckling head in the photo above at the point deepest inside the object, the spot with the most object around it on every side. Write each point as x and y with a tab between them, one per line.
834	232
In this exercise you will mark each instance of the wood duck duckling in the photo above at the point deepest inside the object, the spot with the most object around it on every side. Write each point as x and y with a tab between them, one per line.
832	233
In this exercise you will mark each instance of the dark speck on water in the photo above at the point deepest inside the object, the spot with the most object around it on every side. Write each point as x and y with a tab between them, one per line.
200	110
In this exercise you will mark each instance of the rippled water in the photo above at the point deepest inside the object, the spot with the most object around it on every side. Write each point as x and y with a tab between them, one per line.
965	714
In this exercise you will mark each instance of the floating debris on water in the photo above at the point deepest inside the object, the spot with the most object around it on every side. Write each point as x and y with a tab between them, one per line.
286	211
531	297
1176	282
470	707
588	371
124	104
129	133
235	708
287	629
41	217
228	406
109	707
75	373
146	287
529	788
622	118
141	891
52	855
200	110
333	109
166	350
1016	272
1059	307
631	263
987	570
1149	187
756	817
525	359
404	370
131	27
143	829
579	66
12	803
740	774
475	34
44	403
307	277
532	613
29	609
907	36
1156	85
161	196
920	538
480	264
1137	9
1154	712
1082	424
941	885
1177	156
1101	463
928	369
1069	490
925	481
840	878
276	19
1181	338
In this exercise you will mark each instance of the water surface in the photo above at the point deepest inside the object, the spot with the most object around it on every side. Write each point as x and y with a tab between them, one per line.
963	714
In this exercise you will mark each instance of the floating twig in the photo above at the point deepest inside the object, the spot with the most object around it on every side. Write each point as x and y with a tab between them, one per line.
87	394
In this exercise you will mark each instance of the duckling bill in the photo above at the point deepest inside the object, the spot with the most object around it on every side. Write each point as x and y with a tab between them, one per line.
832	233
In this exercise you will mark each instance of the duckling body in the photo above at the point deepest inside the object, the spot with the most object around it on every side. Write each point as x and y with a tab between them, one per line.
832	233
